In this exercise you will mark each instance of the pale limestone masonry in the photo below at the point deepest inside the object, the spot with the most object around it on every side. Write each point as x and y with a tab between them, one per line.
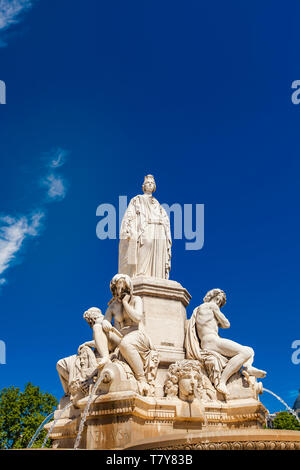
153	379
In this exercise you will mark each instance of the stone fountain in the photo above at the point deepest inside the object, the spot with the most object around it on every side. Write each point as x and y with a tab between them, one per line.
150	378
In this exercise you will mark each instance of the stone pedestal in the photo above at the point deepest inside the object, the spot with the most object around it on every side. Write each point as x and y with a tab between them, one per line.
164	319
121	420
165	305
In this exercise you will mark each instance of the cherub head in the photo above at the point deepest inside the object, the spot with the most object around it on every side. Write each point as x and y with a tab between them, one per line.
92	315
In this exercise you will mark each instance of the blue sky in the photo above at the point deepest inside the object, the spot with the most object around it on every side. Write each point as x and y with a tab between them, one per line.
100	94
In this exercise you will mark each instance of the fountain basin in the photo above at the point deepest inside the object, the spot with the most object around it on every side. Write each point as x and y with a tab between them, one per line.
123	420
240	439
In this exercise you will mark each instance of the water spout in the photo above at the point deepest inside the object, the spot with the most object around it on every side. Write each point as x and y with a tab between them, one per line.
55	421
85	413
39	429
283	402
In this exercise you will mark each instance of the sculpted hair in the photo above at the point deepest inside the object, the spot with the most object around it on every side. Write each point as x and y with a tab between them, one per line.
116	278
92	314
212	293
183	369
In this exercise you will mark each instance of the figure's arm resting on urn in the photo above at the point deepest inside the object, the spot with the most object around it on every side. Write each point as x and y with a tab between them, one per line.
135	313
220	317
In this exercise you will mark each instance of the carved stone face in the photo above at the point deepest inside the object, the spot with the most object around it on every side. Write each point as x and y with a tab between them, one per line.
84	360
149	185
121	288
188	386
219	300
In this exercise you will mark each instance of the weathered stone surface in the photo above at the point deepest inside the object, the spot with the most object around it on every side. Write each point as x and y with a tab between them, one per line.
150	379
121	420
164	315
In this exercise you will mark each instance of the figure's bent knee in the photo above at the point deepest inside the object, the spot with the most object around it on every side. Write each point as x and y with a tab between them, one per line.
59	365
127	341
248	352
124	345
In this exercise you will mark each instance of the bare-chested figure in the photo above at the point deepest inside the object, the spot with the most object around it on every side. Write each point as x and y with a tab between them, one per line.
126	312
207	319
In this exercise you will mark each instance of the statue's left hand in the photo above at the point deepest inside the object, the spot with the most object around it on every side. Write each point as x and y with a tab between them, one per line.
126	298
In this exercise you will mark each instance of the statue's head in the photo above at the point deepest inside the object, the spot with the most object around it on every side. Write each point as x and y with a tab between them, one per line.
188	384
121	285
84	358
92	315
187	374
216	295
149	185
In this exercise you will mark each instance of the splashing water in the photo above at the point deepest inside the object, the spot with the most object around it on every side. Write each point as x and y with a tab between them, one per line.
55	421
283	402
39	429
85	413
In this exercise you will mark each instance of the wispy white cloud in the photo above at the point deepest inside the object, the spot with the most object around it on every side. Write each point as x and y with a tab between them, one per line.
13	232
56	186
11	13
57	157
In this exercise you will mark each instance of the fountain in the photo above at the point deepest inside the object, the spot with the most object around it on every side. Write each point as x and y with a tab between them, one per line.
167	382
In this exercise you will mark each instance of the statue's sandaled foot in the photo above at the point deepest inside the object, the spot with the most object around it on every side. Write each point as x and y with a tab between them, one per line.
259	374
143	387
222	389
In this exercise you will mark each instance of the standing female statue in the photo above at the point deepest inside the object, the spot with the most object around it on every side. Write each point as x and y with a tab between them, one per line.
145	237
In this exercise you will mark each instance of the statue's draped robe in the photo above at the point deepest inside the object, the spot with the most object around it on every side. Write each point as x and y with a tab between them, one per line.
213	362
145	239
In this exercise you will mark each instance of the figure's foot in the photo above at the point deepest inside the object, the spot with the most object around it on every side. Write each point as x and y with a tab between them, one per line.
246	375
222	389
259	374
143	387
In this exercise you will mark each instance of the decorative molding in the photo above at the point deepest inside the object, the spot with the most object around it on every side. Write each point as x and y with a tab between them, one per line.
235	445
161	288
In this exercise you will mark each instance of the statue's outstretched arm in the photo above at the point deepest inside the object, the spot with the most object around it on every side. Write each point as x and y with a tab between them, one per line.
220	317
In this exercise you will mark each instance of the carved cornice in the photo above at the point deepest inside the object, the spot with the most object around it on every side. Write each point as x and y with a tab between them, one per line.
162	288
236	445
249	438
